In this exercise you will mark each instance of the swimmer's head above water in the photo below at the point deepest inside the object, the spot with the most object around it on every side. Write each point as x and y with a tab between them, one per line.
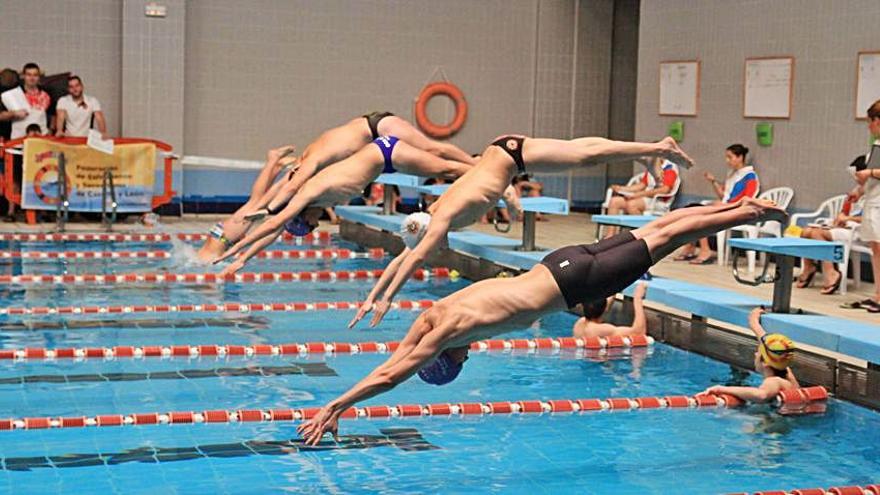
775	351
446	367
414	227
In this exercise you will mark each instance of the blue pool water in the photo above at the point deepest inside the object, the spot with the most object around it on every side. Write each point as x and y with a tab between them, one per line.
663	451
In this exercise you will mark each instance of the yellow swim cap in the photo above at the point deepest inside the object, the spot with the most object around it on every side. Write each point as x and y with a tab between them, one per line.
777	350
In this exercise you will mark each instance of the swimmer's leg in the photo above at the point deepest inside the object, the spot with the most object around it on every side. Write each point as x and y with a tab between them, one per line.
400	128
663	241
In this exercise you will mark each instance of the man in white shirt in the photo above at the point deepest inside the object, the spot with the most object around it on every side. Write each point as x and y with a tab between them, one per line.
869	231
75	111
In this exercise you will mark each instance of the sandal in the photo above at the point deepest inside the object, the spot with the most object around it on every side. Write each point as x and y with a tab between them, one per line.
863	304
803	283
706	261
831	289
685	257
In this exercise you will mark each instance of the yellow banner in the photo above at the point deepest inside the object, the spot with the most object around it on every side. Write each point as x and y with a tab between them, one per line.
132	167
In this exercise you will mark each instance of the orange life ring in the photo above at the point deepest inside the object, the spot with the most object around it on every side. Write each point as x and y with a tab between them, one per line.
38	184
461	109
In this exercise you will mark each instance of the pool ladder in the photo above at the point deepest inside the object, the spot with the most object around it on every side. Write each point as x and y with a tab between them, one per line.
108	188
63	204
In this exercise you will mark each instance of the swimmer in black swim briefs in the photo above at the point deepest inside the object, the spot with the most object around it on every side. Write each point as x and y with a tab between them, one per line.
437	343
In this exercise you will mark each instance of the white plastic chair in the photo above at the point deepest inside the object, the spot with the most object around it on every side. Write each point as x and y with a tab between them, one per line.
635	179
782	196
661	204
826	213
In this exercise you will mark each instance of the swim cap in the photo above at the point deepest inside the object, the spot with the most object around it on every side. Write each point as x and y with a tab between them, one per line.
443	370
777	350
414	227
298	226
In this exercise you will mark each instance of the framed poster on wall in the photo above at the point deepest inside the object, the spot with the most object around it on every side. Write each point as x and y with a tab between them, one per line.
867	82
767	87
680	88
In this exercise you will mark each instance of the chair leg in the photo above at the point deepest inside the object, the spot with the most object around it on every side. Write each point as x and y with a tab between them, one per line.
721	240
750	255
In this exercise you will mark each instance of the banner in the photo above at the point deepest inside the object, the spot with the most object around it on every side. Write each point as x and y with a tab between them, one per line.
132	166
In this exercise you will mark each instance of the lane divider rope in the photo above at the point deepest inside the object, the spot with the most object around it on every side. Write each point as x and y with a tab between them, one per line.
873	489
111	237
286	254
232	307
213	350
538	407
209	278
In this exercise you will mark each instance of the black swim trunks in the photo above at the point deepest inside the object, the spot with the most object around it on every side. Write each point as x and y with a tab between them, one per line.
373	119
588	272
513	146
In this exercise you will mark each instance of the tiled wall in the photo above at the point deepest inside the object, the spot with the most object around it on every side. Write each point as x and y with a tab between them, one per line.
83	37
229	79
811	149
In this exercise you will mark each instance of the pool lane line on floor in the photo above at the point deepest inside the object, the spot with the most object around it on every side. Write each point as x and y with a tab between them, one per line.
192	351
873	489
211	278
538	407
114	237
283	254
232	307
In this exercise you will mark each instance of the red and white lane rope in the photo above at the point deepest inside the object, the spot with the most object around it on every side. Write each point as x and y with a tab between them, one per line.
208	278
384	412
233	307
213	350
284	254
837	490
111	237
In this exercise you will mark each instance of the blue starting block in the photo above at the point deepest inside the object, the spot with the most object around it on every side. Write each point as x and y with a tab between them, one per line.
531	206
784	250
628	221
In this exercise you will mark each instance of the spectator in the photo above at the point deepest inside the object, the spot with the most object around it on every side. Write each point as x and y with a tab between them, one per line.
428	199
634	200
77	111
526	187
592	324
8	80
33	130
37	99
869	231
374	195
741	182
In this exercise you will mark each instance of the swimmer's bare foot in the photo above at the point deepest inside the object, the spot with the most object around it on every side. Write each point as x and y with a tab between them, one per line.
766	210
673	152
275	154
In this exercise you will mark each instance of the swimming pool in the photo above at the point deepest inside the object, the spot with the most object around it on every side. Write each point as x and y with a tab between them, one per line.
648	451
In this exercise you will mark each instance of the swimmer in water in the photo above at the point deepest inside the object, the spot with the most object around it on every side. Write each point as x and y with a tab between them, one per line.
470	197
772	360
436	345
335	185
591	324
332	146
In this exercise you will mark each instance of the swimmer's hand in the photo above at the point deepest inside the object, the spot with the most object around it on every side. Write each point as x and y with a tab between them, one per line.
257	215
380	309
640	291
365	308
232	268
713	390
326	421
229	253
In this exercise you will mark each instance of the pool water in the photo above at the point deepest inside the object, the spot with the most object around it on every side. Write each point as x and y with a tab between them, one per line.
651	451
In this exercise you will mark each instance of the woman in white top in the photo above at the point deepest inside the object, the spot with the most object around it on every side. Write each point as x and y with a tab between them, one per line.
741	182
869	231
841	229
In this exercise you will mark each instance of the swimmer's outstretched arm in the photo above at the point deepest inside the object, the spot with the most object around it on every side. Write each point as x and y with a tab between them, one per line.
252	251
419	347
306	170
755	322
270	226
387	275
434	237
763	394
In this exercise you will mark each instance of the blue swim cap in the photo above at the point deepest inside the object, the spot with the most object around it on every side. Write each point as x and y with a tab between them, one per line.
298	226
443	370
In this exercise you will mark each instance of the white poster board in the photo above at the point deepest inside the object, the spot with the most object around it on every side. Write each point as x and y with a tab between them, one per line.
867	82
680	87
767	87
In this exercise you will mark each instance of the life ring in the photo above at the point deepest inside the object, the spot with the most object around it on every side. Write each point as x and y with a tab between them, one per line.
38	184
461	109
